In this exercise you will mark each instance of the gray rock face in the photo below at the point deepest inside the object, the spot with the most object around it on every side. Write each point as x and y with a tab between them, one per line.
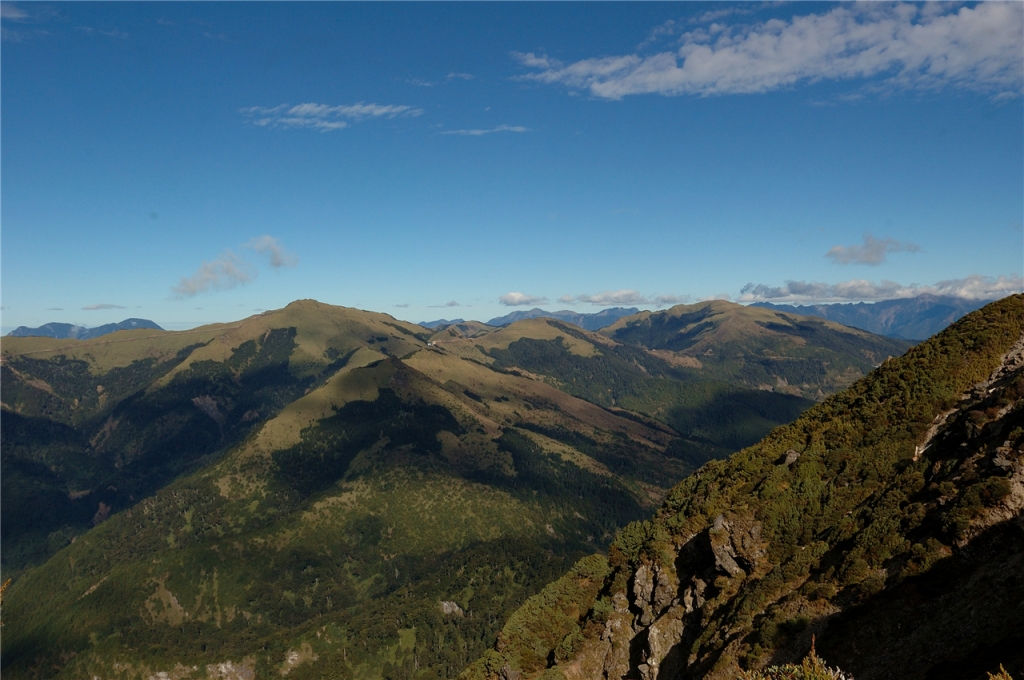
659	615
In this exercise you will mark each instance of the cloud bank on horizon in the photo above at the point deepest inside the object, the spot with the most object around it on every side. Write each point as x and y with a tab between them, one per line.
974	287
921	47
612	298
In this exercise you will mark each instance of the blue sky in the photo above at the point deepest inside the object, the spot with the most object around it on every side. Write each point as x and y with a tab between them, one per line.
191	162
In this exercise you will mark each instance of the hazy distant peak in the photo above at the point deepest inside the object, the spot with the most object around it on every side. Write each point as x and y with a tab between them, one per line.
65	331
913	318
590	322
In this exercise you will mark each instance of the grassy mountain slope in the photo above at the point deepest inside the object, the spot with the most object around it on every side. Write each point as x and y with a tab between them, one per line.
758	347
886	521
387	508
713	417
95	426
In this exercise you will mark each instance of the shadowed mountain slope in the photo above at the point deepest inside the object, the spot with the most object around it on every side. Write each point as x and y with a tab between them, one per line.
95	426
886	521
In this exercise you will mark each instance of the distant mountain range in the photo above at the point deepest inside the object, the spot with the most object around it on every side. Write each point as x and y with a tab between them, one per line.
440	323
759	348
62	331
590	322
914	318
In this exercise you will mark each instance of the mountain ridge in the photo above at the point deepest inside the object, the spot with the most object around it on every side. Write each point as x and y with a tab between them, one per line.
64	331
913	318
590	322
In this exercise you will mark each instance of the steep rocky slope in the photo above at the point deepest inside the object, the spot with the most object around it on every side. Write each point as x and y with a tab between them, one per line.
886	521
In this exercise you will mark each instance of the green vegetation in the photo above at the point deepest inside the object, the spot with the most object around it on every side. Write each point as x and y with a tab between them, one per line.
835	515
318	492
547	621
363	520
811	668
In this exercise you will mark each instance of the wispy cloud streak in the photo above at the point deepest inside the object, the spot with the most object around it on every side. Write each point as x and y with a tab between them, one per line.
227	271
269	246
322	116
873	252
102	305
478	133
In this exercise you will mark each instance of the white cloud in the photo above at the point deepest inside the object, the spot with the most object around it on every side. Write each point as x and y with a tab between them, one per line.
10	12
477	133
109	32
402	305
102	305
230	270
227	271
661	300
461	76
321	116
974	287
38	14
873	251
268	245
516	299
908	46
609	298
